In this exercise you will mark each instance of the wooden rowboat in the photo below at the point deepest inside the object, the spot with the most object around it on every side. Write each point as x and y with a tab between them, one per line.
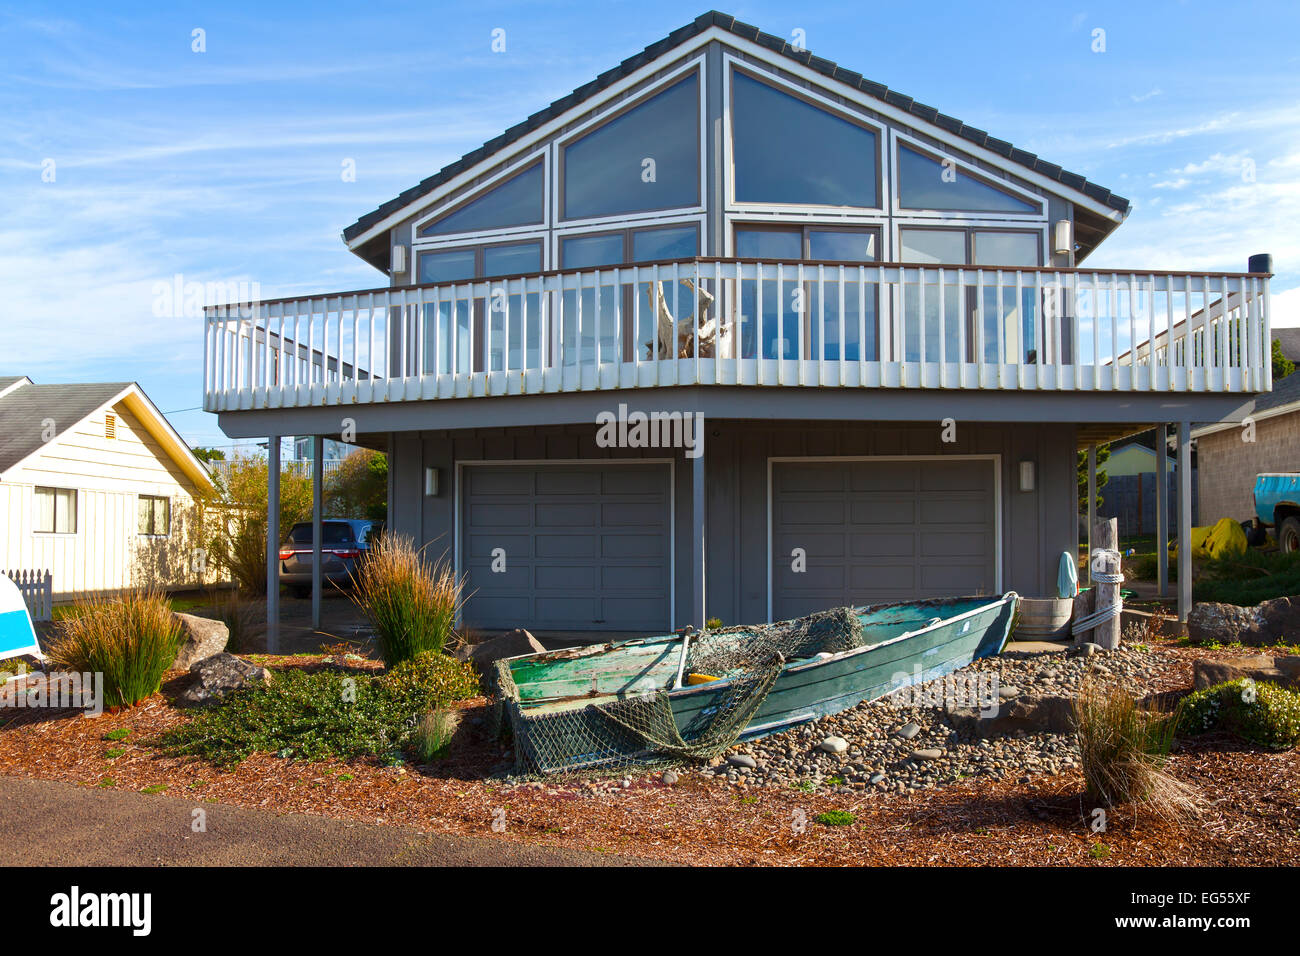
553	700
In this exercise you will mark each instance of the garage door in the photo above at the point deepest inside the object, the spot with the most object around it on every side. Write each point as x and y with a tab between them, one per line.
585	547
879	531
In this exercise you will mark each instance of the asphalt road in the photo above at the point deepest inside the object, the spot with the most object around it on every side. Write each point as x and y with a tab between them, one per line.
47	823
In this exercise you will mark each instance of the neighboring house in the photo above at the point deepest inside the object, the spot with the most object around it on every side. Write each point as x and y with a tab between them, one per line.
868	313
96	487
1134	458
1229	456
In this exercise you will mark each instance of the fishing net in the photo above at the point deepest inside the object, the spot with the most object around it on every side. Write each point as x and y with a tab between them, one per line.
637	724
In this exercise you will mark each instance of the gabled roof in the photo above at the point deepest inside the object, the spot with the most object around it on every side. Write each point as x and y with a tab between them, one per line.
777	44
27	410
1282	400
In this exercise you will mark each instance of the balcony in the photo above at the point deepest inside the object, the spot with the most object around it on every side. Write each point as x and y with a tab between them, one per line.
710	321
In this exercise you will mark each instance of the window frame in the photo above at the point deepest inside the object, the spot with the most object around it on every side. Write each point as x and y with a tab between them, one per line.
76	512
523	165
969	228
641	96
899	140
812	97
804	228
140	499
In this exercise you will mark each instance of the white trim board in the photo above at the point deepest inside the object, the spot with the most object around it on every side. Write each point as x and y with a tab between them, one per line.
458	509
994	459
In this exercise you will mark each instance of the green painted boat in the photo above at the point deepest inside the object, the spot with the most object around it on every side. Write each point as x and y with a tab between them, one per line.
554	700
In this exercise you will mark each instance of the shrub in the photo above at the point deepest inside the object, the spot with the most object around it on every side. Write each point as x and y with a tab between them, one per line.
1123	750
131	640
323	714
1249	578
433	734
238	543
1264	714
411	602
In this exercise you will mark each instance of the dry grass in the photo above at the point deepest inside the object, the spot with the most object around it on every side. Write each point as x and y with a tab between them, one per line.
1124	752
131	640
433	734
410	601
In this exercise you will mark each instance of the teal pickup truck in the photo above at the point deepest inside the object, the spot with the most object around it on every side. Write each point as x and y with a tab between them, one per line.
1277	505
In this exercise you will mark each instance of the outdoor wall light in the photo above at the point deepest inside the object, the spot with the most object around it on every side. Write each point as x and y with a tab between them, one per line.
1062	242
1026	476
399	260
431	482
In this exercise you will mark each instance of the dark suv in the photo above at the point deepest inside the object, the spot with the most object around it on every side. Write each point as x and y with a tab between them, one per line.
344	544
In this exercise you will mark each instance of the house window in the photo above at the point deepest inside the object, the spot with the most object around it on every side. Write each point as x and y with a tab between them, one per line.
786	150
925	183
647	158
587	334
55	511
447	324
772	319
1011	319
516	202
155	515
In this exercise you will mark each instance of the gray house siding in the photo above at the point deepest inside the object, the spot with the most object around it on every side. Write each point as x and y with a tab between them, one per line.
1035	527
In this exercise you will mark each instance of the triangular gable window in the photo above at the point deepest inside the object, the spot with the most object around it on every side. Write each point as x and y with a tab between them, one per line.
516	202
787	150
925	183
648	158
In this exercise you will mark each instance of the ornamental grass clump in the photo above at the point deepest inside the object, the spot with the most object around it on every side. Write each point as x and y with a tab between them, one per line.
432	735
132	640
1261	713
1124	751
410	601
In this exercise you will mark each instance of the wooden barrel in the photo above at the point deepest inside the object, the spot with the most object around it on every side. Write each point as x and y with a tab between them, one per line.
1044	619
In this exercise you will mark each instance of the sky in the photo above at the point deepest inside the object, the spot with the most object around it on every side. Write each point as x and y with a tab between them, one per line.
128	157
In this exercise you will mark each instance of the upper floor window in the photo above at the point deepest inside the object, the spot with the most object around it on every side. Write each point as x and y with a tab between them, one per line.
925	183
644	159
55	511
980	247
516	202
786	150
475	262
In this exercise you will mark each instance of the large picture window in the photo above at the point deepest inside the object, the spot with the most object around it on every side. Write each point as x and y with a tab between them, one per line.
786	150
925	183
815	319
55	511
516	202
648	158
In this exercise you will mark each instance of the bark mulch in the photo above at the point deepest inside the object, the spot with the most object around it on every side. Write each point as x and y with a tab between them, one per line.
1252	797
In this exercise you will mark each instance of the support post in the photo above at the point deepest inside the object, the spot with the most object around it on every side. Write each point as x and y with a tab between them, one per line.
698	616
1183	472
273	544
1092	503
1105	534
317	498
1162	508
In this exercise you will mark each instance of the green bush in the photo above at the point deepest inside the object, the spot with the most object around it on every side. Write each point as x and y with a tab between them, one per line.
131	640
324	714
1249	578
1264	714
410	601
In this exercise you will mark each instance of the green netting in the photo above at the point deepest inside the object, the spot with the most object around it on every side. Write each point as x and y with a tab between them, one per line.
638	726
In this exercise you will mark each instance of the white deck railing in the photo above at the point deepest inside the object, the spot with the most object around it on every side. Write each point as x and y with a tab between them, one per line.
745	323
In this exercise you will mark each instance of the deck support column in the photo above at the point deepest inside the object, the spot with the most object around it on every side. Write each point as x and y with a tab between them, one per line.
1184	474
698	617
1092	503
273	544
317	497
1162	508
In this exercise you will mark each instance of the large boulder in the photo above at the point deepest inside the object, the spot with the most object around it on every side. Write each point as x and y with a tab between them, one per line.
218	676
1260	667
1043	714
203	638
1259	626
511	644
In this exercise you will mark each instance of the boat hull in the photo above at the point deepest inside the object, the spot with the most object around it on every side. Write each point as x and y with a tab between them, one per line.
905	645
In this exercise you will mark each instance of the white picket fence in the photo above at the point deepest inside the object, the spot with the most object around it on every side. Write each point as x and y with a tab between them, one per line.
37	589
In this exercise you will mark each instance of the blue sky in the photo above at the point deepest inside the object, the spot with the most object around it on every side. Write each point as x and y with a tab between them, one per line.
225	166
